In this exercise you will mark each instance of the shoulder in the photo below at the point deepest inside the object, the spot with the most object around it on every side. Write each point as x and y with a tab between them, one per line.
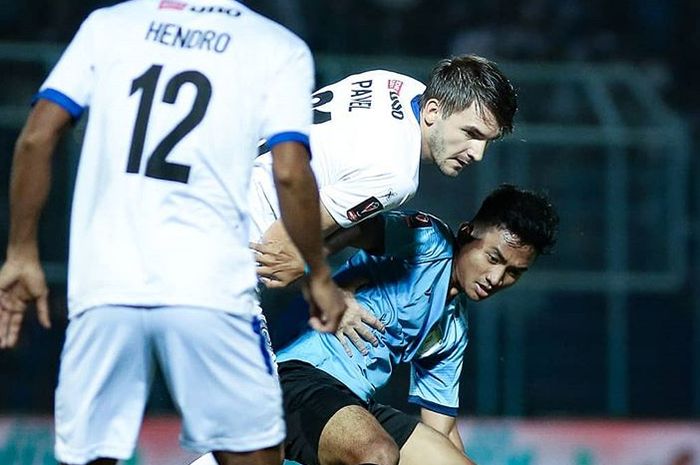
418	235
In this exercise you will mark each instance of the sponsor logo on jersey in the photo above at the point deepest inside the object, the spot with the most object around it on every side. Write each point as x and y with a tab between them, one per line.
176	5
215	9
395	85
360	95
364	209
171	5
418	220
396	107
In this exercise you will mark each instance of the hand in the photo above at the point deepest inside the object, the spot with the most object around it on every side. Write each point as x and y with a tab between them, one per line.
356	326
326	302
22	281
279	263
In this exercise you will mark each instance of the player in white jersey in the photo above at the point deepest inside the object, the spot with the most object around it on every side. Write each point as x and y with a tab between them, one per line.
179	93
371	132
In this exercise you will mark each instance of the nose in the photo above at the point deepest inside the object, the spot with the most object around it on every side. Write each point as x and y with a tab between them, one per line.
476	150
495	278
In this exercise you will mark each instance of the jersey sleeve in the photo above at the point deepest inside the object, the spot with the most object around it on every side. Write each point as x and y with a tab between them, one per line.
71	81
287	108
416	236
435	379
365	194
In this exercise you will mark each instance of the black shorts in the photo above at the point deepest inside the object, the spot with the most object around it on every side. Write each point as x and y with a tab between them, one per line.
312	397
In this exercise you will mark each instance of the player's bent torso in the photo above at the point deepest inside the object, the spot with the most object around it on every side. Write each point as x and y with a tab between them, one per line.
160	206
407	292
365	146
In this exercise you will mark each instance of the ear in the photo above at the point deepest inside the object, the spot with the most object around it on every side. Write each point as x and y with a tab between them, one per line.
431	111
464	233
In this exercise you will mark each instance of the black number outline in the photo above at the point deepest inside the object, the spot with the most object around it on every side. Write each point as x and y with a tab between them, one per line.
157	166
324	97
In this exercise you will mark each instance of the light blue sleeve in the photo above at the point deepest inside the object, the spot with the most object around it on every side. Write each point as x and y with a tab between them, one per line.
435	378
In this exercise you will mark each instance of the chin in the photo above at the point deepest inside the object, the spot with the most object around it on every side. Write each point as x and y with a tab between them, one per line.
473	296
449	171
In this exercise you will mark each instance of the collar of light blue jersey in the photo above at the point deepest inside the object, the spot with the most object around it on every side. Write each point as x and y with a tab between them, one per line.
415	106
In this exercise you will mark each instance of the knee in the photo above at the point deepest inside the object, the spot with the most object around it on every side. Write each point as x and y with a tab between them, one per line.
378	451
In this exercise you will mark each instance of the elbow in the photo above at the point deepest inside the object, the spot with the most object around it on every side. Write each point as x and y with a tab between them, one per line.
32	141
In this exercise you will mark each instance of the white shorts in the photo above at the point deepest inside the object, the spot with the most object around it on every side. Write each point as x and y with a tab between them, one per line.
216	366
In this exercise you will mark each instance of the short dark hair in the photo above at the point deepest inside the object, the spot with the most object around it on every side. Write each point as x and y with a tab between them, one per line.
460	81
528	215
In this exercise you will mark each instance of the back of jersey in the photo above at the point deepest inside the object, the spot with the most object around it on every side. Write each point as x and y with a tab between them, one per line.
179	94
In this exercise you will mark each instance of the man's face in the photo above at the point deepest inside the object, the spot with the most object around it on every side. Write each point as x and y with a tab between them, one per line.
460	139
494	260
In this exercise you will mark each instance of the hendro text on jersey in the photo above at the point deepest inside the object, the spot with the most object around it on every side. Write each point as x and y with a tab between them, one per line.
174	35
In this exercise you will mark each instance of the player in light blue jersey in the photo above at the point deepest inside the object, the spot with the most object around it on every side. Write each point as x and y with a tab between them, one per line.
416	277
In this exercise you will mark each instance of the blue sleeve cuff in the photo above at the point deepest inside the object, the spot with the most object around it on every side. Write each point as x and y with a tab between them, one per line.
61	100
288	137
449	411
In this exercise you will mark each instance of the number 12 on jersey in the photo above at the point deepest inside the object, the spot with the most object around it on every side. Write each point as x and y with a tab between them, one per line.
157	166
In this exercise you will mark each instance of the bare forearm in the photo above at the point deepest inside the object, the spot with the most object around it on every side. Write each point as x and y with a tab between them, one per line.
444	424
298	199
456	438
31	175
30	183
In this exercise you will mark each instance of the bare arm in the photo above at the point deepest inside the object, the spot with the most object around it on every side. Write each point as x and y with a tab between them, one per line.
279	262
298	195
444	424
21	275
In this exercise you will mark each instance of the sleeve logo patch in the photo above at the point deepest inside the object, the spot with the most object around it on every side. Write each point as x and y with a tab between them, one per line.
418	220
364	209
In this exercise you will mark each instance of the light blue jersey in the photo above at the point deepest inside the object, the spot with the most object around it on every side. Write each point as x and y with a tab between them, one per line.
407	290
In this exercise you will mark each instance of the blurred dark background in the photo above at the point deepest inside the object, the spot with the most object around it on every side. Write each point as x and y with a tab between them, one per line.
609	326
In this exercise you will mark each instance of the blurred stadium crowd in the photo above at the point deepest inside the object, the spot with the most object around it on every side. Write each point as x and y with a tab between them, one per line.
643	31
661	37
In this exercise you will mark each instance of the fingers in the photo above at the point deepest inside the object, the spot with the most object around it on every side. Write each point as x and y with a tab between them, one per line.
363	334
358	342
373	321
340	336
10	323
42	310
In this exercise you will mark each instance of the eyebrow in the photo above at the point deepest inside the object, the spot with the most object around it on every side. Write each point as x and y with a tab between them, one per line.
480	135
476	131
503	259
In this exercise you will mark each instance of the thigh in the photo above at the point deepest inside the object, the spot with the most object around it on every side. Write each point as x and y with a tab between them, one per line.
221	378
311	398
104	378
426	445
398	424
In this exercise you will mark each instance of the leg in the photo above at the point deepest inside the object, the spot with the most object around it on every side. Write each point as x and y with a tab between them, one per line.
104	379
327	424
222	380
426	445
353	436
269	456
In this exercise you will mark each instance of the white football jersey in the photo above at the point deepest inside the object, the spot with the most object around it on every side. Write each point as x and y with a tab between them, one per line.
365	148
179	93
